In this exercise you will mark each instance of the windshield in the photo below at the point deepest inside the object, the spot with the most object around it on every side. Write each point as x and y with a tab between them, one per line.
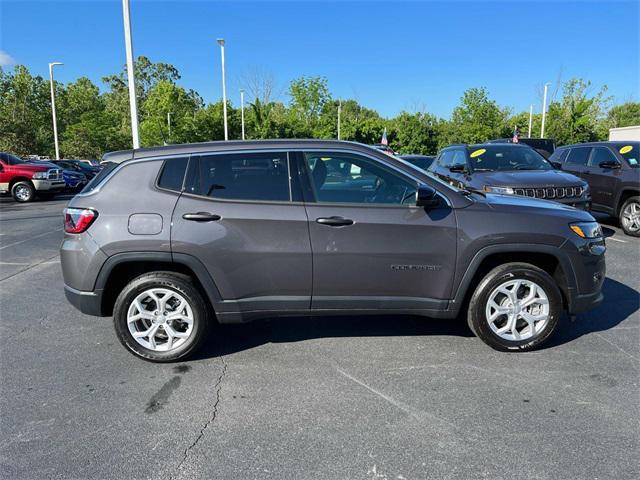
631	152
491	158
11	159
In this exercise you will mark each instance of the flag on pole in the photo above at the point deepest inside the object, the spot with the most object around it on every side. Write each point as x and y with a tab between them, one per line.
384	140
516	135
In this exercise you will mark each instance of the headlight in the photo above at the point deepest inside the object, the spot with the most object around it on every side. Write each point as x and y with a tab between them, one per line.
586	190
502	190
587	229
38	175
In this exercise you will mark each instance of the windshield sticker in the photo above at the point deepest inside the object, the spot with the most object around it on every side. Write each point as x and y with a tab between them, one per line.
626	149
633	161
477	153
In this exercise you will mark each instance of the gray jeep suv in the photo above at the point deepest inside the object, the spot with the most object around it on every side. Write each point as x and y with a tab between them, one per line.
170	239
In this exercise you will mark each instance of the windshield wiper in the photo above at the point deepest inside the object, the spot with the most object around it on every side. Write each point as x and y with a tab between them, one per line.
469	190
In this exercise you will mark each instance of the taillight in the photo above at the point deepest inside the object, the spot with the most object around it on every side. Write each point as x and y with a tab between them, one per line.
77	220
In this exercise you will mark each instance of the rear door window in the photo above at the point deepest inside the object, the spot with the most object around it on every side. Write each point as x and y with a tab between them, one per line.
240	176
579	156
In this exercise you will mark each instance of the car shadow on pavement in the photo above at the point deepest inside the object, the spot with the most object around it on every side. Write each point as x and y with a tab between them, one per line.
620	302
235	338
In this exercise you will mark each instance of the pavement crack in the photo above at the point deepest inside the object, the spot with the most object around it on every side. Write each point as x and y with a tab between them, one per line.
29	268
217	387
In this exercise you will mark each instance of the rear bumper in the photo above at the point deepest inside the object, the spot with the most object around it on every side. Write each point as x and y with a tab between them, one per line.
89	303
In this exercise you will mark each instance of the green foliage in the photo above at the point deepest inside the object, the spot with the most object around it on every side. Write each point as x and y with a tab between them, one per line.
91	122
477	119
578	116
624	115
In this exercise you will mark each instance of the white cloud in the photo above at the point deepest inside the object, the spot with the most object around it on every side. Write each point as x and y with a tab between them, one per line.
6	59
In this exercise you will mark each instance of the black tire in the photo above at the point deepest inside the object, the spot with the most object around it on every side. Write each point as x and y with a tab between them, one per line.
46	196
626	226
23	191
477	317
181	284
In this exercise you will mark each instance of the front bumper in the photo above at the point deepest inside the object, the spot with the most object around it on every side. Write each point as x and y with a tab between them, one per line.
587	258
580	204
48	185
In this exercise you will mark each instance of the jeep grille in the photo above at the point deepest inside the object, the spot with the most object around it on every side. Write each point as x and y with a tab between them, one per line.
549	192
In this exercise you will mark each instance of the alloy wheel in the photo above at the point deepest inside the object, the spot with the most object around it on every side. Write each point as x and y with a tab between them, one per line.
517	310
160	319
631	217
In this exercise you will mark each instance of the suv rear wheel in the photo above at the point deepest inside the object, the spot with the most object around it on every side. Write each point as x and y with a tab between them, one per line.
23	191
516	306
160	317
630	216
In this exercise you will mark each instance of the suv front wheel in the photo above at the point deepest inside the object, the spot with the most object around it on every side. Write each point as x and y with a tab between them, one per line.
516	307
630	217
160	316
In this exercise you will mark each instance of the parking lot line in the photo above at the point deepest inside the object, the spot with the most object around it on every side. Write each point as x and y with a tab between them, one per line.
617	240
30	238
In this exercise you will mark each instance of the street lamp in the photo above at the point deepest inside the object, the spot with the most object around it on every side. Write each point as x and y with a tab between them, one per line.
224	89
242	110
133	105
544	108
530	119
339	111
53	108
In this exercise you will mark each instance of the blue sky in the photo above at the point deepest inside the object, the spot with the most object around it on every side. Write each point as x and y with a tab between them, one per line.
389	56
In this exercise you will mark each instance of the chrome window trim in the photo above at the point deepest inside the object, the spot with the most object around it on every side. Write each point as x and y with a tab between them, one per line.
286	150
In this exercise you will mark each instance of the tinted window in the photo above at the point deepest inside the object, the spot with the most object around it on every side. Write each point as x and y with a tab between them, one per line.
349	178
578	156
446	159
601	154
173	174
240	176
10	159
490	158
459	158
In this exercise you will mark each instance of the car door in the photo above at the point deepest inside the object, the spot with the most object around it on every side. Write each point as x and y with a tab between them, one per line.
242	218
603	180
372	247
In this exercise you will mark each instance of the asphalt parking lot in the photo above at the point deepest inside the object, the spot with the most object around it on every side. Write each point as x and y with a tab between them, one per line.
382	397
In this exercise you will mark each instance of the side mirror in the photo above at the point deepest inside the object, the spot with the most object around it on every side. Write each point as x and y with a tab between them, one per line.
427	197
556	165
460	168
612	164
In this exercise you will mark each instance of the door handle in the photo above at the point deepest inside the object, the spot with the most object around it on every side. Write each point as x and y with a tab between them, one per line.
334	221
201	217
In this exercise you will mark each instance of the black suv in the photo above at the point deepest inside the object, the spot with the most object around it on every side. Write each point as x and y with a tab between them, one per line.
611	169
509	169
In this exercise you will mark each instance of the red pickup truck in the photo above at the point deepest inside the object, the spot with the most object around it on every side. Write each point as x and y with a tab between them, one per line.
24	180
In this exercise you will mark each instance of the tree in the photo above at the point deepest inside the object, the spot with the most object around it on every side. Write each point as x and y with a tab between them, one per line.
308	97
578	116
477	119
624	115
416	133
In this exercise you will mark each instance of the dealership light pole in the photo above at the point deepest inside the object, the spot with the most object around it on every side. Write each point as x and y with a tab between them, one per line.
169	124
53	108
339	111
544	108
224	89
133	105
242	110
530	119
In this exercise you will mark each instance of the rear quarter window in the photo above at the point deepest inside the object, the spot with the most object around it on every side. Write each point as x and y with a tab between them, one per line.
172	174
